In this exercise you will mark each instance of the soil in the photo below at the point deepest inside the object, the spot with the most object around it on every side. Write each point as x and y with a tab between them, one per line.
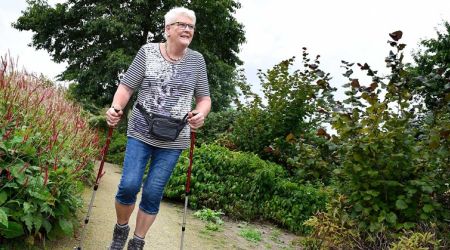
165	233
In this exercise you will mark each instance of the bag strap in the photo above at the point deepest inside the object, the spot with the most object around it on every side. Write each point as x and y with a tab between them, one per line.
144	113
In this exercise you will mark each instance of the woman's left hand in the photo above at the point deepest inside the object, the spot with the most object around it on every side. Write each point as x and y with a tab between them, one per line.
196	119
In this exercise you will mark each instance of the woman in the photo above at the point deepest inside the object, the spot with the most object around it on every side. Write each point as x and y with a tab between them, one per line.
167	75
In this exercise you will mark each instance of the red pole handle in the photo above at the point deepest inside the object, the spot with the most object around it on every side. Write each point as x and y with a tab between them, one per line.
104	151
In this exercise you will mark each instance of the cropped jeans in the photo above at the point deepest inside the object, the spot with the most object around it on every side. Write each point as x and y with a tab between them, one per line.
162	163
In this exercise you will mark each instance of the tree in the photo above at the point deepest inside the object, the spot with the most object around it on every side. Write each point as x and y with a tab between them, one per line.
433	70
98	39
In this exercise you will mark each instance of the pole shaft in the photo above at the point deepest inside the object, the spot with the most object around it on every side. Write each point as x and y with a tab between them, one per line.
97	180
188	187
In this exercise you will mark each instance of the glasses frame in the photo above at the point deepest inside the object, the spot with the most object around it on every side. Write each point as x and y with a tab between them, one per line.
184	26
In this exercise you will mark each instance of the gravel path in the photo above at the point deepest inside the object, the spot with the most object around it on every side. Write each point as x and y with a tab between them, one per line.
165	234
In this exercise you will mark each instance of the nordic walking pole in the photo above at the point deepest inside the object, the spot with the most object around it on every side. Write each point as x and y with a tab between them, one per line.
188	186
97	181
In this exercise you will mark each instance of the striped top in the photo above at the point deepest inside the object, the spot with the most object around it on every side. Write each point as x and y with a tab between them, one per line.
165	88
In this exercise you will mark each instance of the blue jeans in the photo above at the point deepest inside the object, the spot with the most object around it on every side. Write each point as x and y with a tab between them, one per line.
162	163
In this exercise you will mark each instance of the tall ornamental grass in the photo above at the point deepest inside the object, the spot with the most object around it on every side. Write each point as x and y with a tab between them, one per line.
46	152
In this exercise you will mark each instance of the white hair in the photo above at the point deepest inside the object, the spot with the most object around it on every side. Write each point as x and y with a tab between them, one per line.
171	16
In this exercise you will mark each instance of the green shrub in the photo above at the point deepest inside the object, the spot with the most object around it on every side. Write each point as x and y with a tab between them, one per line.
393	171
46	152
250	132
217	125
336	229
333	228
244	186
288	129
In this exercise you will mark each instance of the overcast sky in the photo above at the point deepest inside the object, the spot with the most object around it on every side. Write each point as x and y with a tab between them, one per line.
351	30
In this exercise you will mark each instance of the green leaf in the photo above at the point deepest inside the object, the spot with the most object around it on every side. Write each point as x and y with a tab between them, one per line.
381	218
374	226
47	225
357	156
28	220
408	225
373	193
11	185
3	217
63	211
401	204
428	208
15	171
17	139
40	196
37	221
391	218
66	226
3	197
26	207
13	230
427	189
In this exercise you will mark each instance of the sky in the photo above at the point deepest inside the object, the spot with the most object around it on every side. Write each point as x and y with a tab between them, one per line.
351	30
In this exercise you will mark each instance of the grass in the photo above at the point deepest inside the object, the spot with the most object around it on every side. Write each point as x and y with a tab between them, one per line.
250	234
275	236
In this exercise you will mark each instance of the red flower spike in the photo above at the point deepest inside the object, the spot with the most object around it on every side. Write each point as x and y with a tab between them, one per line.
25	138
55	164
7	134
46	176
8	175
26	182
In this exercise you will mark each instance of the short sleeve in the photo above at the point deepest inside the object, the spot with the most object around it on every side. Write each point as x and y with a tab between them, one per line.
201	88
135	73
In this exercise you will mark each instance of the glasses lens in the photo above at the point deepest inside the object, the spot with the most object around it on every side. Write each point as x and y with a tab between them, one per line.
185	25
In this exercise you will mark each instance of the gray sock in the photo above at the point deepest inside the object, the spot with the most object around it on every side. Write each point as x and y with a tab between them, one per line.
122	225
138	237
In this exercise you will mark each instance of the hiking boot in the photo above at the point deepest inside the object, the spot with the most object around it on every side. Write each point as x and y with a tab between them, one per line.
120	237
136	244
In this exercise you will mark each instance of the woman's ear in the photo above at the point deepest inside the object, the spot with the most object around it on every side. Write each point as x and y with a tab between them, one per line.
166	31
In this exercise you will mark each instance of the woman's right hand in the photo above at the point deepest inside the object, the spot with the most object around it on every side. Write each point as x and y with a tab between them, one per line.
113	116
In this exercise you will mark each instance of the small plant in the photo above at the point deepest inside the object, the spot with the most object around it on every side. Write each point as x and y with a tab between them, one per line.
212	226
212	217
332	229
250	234
209	215
416	241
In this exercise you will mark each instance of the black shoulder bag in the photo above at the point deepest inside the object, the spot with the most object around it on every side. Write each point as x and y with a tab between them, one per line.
163	127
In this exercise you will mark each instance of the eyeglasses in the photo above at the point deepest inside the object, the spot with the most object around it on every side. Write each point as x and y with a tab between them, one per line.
184	26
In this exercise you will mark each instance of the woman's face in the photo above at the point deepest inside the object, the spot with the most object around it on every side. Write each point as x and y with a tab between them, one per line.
181	31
